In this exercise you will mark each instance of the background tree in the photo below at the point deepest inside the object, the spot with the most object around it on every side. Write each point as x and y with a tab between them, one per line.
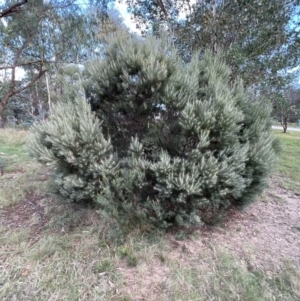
95	32
12	9
39	37
286	106
258	38
30	40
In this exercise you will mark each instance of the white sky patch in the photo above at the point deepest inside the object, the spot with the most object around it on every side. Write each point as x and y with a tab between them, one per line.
5	74
122	8
183	13
20	73
4	22
295	69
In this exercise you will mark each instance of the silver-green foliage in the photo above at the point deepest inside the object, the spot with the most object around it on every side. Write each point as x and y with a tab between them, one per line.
210	148
71	144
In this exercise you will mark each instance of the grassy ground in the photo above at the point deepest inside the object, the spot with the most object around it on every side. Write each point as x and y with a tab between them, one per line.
56	251
289	161
290	125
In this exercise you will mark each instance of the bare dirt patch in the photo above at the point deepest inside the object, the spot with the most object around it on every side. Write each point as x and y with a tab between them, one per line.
266	233
26	214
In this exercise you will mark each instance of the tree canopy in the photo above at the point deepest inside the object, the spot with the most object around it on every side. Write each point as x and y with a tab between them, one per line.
38	37
258	38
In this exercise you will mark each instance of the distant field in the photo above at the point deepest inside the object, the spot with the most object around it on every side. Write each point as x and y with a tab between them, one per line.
292	125
54	250
289	160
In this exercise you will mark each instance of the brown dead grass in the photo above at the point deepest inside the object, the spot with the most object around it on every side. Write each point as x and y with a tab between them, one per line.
29	213
265	233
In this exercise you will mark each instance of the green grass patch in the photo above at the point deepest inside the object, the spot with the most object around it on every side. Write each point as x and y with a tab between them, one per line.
289	160
23	182
19	176
12	144
220	276
290	125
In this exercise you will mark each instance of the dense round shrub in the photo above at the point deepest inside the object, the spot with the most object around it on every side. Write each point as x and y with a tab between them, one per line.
177	142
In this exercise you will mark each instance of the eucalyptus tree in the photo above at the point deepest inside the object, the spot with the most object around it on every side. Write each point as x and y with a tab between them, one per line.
32	38
39	37
258	38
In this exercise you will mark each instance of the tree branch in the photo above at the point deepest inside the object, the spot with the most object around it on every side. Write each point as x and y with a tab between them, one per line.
162	7
12	9
22	64
40	74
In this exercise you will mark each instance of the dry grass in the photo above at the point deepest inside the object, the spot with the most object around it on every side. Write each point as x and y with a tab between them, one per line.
51	250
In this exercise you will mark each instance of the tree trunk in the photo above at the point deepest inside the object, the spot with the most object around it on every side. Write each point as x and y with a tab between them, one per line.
214	34
3	103
284	124
48	92
11	92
